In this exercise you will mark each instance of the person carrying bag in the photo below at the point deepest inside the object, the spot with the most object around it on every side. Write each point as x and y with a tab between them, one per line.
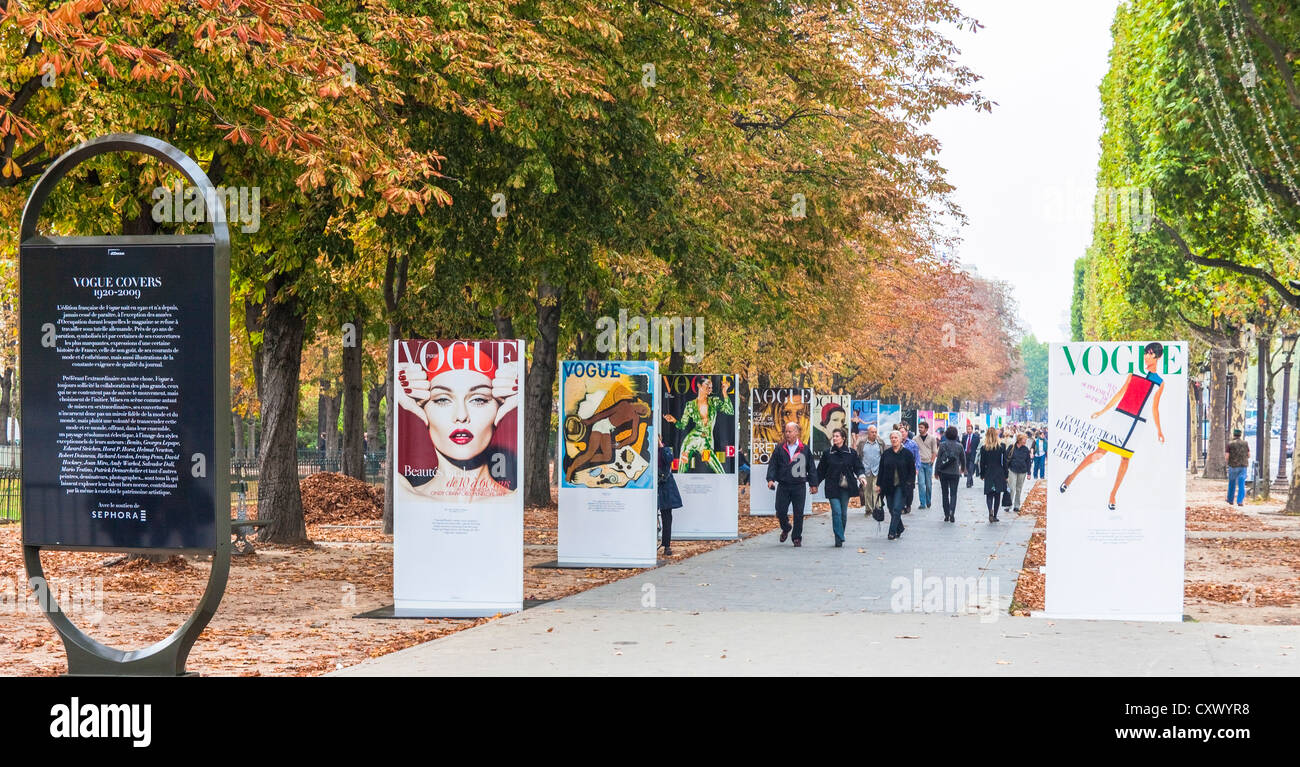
992	465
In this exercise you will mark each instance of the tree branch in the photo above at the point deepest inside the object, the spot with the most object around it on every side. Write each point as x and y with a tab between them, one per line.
1293	299
1274	48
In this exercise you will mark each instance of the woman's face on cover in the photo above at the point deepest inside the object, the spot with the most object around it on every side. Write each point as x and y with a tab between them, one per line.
791	410
836	421
462	412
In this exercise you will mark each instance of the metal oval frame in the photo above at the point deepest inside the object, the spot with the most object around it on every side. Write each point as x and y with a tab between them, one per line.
87	656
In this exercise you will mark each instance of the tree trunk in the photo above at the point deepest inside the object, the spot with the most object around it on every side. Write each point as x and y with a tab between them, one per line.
537	388
353	408
1262	411
375	396
332	442
237	432
1293	496
1194	428
676	361
1238	365
252	439
6	403
1265	455
1216	465
505	325
278	498
323	402
395	271
253	324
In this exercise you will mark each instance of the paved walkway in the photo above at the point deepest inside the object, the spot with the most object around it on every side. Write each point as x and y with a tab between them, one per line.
760	607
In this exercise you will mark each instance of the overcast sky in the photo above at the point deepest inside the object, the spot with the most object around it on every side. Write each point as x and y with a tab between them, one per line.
1026	174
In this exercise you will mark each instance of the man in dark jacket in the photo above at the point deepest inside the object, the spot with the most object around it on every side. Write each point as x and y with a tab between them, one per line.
895	480
971	445
789	469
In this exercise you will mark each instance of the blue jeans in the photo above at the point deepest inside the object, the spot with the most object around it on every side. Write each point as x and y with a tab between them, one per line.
925	482
1237	481
1040	467
897	499
839	511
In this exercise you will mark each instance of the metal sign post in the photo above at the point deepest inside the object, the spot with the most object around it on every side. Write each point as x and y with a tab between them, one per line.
123	342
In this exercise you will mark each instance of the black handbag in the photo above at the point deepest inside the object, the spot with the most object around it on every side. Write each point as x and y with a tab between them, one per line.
878	513
1006	499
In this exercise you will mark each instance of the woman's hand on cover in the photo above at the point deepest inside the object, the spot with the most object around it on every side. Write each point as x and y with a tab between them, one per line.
505	388
412	389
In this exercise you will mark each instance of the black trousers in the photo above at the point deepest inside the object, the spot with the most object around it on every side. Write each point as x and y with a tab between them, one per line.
970	469
948	487
994	501
666	522
791	495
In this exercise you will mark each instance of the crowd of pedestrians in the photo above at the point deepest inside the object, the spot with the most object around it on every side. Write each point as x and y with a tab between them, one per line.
888	473
899	470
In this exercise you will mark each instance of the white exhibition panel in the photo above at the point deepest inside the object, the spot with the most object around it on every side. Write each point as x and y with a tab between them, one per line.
613	525
709	499
769	410
456	555
1126	563
708	511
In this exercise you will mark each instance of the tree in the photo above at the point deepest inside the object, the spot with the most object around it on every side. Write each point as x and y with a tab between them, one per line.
1034	355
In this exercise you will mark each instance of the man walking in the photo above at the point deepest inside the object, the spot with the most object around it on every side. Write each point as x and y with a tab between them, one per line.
971	445
927	447
869	449
909	444
1040	454
790	468
1238	454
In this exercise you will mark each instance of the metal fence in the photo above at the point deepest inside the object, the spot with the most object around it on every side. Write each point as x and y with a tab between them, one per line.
10	494
245	472
310	462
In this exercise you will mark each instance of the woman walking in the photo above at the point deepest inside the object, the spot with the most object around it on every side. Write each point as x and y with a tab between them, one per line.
669	497
1019	462
895	480
841	470
992	464
950	465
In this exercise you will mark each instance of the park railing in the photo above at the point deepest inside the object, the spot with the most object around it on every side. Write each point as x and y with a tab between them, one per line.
245	472
11	494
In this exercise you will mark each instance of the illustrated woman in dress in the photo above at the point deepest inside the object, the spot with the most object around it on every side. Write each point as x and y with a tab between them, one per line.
1128	404
698	419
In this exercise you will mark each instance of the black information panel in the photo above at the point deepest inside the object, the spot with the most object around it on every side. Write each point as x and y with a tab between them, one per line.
117	392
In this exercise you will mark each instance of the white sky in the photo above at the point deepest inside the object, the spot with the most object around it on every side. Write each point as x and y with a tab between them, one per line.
1026	174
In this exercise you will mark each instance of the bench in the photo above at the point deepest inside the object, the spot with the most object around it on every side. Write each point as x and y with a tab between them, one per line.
241	529
241	526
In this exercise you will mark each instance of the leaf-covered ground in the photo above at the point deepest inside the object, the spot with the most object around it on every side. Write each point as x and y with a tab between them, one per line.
286	611
1250	580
